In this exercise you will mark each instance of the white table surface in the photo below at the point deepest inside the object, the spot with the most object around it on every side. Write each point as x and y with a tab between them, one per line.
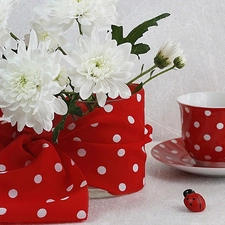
160	202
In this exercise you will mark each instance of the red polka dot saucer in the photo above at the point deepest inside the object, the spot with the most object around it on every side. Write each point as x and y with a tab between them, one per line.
173	153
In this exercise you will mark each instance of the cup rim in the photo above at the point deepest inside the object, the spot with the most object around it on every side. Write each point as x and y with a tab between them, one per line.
205	98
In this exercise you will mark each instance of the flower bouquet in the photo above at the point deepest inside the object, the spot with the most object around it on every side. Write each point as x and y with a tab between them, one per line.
72	112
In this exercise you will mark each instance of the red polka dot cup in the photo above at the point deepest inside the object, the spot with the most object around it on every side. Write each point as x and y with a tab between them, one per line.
203	127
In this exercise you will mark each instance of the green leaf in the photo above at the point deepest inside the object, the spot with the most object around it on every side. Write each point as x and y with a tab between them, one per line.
140	49
58	128
135	34
138	31
75	110
117	34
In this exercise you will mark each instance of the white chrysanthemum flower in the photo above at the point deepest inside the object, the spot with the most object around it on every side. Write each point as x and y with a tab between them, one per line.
89	13
101	68
27	86
44	34
5	10
166	54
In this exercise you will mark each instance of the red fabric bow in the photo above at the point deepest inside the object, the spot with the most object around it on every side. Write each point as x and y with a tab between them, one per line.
42	182
38	182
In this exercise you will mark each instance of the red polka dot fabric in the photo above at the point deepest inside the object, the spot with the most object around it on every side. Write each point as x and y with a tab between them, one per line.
108	145
42	182
38	182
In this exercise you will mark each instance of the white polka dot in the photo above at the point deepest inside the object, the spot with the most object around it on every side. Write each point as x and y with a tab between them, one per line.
135	167
13	193
122	187
174	141
131	119
76	139
207	137
155	150
218	149
70	188
207	157
81	214
162	146
94	124
83	184
169	158
144	181
72	162
220	126
58	167
28	162
187	134
50	200
208	113
187	109
3	211
116	138
184	160
45	145
65	198
143	149
71	126
196	124
174	151
157	156
145	130
3	172
81	152
197	147
2	167
101	170
41	213
108	108
139	97
121	152
38	179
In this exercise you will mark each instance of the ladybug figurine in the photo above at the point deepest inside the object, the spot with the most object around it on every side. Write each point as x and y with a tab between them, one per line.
194	201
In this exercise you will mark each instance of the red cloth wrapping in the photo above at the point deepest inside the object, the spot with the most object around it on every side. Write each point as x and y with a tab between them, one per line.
108	145
42	182
38	182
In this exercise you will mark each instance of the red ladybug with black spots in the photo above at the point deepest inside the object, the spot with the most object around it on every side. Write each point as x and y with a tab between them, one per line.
194	201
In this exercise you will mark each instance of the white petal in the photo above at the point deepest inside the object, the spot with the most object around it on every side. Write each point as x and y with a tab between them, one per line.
33	41
60	107
101	98
86	90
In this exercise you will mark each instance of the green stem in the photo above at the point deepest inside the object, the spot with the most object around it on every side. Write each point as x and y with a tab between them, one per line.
68	92
158	74
60	49
79	26
14	36
142	74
